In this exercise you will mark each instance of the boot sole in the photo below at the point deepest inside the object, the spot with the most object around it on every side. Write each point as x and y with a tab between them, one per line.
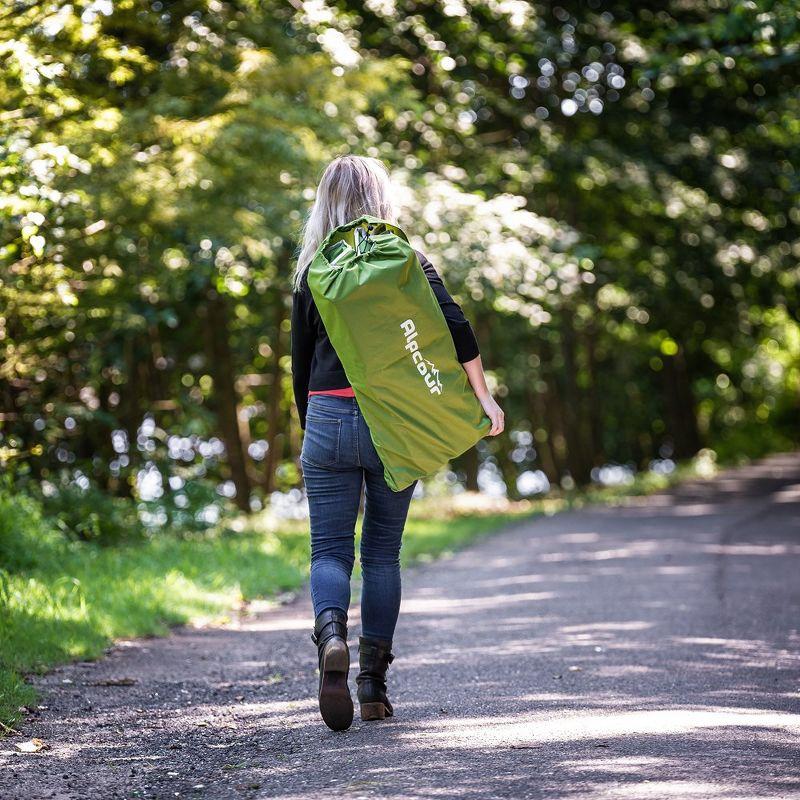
373	711
335	702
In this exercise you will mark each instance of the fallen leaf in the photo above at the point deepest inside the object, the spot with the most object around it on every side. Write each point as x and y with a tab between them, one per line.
32	746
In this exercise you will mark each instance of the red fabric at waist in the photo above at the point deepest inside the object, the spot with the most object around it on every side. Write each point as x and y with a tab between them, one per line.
346	392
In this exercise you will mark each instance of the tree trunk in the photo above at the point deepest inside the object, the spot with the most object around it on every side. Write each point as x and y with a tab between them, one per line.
544	449
576	457
508	469
597	455
469	463
680	406
156	354
131	410
220	361
275	437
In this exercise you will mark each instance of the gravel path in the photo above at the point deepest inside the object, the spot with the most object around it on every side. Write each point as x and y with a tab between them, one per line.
649	651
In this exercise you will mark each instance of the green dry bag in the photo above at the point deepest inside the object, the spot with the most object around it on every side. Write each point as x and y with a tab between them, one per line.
389	332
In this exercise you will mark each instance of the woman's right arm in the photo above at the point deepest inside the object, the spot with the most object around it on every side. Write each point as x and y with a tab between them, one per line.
303	338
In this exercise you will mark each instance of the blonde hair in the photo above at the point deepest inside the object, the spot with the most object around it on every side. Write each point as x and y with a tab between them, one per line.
350	187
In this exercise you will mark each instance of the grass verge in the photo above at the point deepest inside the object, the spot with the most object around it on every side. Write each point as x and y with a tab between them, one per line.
62	601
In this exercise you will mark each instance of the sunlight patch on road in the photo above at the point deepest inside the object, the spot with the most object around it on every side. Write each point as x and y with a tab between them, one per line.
745	549
278	623
511	580
789	494
633	625
464	605
695	510
532	728
667	789
638	549
622	764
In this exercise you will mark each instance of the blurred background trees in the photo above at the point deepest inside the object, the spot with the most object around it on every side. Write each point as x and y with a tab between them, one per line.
609	189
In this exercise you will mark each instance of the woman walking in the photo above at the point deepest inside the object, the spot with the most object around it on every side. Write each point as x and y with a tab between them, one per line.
338	459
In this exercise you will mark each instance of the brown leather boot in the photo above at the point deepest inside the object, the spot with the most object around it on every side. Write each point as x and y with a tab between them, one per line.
330	636
374	656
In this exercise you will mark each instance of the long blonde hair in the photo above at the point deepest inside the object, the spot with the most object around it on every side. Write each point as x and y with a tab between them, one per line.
350	186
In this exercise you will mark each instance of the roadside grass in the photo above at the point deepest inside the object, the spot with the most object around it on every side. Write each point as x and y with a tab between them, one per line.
64	601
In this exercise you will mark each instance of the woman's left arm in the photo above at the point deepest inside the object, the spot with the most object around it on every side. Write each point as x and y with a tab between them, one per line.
466	346
460	329
477	380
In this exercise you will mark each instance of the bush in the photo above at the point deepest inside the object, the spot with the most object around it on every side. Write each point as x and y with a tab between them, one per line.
193	508
91	515
26	540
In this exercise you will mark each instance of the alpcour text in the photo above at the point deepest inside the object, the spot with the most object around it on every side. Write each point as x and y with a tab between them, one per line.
424	366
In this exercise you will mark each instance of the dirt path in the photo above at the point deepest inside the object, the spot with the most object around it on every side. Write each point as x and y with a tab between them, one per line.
650	651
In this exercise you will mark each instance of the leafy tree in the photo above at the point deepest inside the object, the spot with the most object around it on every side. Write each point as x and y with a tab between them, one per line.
610	190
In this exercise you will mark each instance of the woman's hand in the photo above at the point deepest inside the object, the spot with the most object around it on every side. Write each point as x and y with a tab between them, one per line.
495	414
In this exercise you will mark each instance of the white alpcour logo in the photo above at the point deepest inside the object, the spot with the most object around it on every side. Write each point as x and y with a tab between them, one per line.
425	367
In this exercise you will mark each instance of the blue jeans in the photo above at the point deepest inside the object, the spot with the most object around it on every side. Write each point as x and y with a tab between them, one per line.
338	458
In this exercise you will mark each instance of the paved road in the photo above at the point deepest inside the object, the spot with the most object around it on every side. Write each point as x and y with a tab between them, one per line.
650	651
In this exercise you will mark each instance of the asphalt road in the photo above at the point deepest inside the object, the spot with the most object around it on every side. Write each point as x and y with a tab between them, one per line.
645	651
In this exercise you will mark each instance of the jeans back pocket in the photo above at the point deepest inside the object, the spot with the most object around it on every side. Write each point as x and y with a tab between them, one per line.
321	440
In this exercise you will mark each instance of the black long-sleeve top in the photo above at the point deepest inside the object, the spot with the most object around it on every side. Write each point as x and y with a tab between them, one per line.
315	364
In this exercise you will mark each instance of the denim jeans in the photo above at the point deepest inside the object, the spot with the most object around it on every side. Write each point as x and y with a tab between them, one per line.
338	458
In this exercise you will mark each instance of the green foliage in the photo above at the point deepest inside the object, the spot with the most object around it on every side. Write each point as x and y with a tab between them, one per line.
26	539
610	190
663	136
91	515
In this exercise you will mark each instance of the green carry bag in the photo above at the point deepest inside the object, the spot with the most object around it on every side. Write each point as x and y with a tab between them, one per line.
389	332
